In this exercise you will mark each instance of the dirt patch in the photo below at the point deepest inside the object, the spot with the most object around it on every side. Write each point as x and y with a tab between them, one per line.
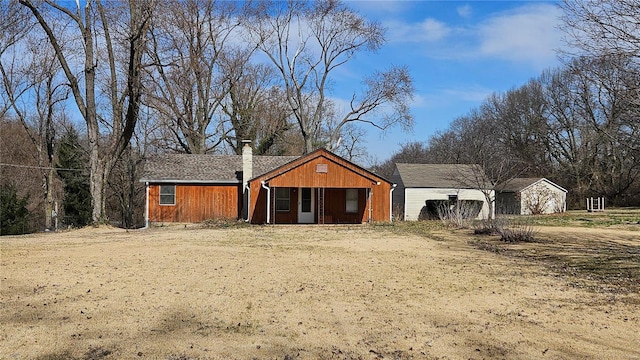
300	293
603	260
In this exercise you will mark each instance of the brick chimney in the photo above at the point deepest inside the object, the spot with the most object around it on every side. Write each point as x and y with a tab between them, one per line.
247	173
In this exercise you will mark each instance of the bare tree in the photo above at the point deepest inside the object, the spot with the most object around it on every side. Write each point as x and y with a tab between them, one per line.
108	47
14	26
255	107
35	92
410	153
190	41
609	31
476	139
307	42
602	27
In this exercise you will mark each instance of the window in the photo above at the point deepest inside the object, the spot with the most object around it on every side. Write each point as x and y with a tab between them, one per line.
282	199
167	194
306	200
352	201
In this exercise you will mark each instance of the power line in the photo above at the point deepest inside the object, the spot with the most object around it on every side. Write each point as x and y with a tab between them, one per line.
40	167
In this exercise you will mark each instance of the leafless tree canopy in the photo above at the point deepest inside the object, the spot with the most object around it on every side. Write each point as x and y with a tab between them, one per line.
100	53
307	42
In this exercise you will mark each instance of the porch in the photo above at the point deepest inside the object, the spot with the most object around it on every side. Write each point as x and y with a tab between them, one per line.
304	205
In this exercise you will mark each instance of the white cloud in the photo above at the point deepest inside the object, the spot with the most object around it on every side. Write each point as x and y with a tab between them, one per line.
528	34
470	93
429	30
445	97
464	11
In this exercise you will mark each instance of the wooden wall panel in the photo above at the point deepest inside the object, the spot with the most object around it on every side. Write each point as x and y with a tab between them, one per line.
196	203
336	203
337	176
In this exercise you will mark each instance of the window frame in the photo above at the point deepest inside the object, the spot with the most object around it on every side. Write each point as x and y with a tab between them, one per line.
172	194
279	199
350	202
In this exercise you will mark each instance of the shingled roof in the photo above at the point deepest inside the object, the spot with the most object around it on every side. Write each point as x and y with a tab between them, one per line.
453	176
519	184
206	168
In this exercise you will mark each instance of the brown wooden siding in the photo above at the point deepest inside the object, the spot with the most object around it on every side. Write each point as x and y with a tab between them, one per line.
305	175
196	203
381	202
286	217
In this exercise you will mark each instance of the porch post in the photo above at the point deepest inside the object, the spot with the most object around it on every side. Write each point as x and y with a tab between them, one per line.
146	206
370	204
268	200
393	187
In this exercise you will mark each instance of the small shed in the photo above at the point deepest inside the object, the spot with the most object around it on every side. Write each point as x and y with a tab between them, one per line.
421	187
530	196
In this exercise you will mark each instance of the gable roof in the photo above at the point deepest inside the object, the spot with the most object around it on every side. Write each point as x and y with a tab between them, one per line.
520	184
298	161
456	176
194	168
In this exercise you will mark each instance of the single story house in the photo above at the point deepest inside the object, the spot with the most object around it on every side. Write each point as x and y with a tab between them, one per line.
422	190
526	196
316	188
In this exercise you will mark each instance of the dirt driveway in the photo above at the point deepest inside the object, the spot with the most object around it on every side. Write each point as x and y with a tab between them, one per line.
297	292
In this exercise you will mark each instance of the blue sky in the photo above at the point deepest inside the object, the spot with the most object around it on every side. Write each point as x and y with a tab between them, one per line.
459	53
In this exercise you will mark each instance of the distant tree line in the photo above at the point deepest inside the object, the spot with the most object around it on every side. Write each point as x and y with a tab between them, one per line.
578	125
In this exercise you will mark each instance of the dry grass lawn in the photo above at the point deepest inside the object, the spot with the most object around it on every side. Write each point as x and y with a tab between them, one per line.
304	292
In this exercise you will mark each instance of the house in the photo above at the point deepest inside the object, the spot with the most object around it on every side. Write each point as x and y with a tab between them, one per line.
526	196
317	188
422	190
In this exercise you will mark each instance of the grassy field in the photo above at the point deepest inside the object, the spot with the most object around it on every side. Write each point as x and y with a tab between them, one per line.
404	291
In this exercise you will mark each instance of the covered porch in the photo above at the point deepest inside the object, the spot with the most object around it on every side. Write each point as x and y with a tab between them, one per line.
319	188
307	205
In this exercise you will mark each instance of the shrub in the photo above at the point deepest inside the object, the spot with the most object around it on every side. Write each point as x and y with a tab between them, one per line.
14	216
518	233
459	214
490	226
506	229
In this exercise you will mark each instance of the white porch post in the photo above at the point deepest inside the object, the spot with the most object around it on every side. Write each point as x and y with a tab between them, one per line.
393	187
265	186
146	205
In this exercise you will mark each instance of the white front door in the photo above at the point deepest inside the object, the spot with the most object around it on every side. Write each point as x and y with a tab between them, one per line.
305	205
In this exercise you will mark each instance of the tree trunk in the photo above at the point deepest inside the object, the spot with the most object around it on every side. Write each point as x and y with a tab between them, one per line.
96	187
48	203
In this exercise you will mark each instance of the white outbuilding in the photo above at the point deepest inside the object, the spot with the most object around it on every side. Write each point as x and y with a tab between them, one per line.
424	188
527	196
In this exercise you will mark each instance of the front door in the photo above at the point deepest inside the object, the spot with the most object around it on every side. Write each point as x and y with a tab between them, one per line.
305	206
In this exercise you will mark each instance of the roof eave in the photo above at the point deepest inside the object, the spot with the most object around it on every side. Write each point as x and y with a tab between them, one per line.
182	181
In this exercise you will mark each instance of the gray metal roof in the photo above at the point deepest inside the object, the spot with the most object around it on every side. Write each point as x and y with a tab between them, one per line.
452	176
206	168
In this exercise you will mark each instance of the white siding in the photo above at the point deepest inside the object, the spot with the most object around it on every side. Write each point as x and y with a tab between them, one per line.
542	197
416	197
